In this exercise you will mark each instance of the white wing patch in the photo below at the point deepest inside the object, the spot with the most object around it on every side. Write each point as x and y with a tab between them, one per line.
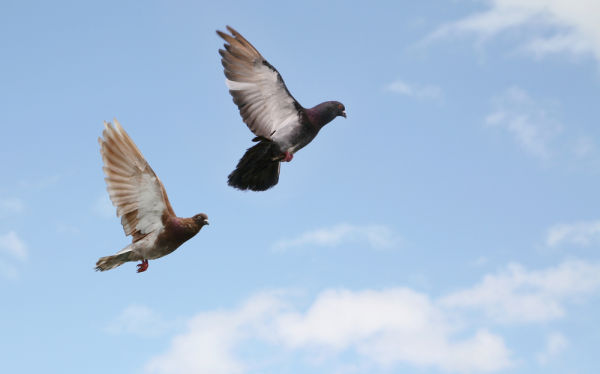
269	105
238	86
150	204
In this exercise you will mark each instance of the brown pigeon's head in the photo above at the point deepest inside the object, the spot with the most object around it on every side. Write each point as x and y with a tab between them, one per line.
201	219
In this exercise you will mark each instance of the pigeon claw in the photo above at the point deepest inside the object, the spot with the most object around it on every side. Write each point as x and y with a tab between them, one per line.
143	266
288	157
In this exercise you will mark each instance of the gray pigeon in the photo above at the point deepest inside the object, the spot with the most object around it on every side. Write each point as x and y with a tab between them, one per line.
281	125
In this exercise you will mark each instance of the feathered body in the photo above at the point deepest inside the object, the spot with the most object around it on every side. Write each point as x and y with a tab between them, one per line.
281	125
142	203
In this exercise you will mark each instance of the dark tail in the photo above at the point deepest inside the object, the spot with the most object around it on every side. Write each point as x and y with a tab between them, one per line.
258	169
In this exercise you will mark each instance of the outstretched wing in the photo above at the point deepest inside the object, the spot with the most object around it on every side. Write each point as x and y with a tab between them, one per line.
257	88
134	188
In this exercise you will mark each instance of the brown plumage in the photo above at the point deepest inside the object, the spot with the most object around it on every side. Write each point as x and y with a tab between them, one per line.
142	203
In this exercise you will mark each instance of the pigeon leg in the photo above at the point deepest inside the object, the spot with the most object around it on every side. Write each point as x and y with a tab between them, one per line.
143	266
288	157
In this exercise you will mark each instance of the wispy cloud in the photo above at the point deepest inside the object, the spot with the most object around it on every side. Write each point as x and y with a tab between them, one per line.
583	233
377	236
516	295
12	245
583	146
40	183
11	205
556	343
139	320
527	121
541	27
415	90
103	207
534	126
11	248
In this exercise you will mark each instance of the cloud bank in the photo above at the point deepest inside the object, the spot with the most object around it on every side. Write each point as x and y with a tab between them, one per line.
384	328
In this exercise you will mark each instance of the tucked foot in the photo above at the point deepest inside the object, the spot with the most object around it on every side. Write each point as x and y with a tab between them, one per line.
288	157
143	266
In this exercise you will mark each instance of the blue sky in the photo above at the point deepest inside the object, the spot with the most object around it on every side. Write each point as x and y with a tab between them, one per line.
449	225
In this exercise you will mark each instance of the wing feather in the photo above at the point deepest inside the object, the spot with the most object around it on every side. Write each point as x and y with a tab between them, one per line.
133	187
257	88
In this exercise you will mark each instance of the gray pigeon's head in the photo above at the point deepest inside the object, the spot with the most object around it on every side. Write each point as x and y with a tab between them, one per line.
325	112
336	108
201	219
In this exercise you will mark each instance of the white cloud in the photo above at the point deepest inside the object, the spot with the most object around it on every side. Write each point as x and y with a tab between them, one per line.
389	327
379	330
383	328
11	205
555	344
11	244
103	207
583	147
208	345
11	248
582	233
139	320
415	90
377	236
527	121
41	183
516	295
546	26
534	127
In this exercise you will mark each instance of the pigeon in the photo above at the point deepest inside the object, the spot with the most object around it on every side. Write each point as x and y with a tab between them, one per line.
141	202
281	125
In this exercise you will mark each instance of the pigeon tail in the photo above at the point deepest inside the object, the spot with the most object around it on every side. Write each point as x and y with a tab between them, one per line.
111	262
258	169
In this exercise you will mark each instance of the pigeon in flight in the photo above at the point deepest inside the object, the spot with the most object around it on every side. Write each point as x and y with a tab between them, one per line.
281	125
141	202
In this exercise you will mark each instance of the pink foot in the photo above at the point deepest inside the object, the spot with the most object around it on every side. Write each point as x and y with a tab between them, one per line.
143	266
288	157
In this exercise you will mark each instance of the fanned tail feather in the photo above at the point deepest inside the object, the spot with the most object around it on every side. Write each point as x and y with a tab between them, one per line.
258	169
111	262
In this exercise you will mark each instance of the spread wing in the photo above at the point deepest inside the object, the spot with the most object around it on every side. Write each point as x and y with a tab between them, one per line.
257	88
134	188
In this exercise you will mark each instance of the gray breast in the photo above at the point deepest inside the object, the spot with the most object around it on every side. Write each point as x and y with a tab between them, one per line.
293	138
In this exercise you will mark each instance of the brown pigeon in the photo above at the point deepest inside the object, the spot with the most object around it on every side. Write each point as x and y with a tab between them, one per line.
281	125
141	202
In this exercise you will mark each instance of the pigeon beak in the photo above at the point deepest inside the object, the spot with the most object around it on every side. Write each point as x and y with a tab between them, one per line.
344	113
206	223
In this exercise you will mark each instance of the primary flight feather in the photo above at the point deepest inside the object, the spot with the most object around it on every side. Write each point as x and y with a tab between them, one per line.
281	125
